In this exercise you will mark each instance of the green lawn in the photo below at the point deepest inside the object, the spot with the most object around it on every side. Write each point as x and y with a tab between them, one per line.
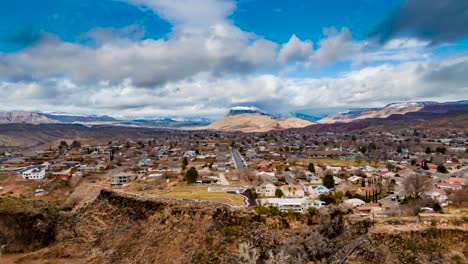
201	193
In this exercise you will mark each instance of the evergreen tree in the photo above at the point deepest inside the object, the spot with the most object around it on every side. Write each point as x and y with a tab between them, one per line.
441	169
75	144
428	150
279	193
184	163
63	145
440	150
328	181
311	167
191	175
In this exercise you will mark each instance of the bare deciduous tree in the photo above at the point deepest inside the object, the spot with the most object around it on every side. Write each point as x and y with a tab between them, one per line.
417	184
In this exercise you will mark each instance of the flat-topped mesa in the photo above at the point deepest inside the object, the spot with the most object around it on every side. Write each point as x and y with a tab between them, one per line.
238	110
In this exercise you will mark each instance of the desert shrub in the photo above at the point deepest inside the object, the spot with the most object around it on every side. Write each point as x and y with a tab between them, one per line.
230	232
332	198
312	211
437	208
305	246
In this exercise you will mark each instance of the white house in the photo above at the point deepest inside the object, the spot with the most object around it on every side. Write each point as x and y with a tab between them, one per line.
368	168
292	204
190	154
266	175
250	154
438	195
354	202
266	189
337	180
354	179
34	173
333	169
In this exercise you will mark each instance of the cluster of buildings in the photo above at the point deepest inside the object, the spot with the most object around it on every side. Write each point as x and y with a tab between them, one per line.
275	165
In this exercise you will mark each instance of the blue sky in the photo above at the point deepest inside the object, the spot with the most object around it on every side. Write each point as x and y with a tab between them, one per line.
275	20
200	57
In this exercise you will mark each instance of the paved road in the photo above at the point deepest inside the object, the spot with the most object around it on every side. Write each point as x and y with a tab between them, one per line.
238	160
223	179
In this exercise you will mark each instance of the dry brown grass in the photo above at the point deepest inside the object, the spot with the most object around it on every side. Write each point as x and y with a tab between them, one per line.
201	193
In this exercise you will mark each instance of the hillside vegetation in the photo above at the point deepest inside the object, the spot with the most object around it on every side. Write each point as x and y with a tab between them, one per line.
120	229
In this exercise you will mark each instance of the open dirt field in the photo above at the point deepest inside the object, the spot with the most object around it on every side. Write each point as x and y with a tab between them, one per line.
201	193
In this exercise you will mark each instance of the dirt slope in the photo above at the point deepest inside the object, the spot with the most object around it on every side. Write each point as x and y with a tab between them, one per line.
120	229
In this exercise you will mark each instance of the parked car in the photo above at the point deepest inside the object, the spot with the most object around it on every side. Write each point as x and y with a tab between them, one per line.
426	210
39	192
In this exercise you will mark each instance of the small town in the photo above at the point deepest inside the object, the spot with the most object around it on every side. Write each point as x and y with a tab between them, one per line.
234	131
378	174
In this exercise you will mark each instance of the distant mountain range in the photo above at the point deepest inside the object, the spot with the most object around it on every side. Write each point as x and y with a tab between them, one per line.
25	117
44	118
396	111
249	119
66	118
70	118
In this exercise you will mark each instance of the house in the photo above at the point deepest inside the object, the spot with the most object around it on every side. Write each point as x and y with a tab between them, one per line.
406	173
293	191
33	173
337	180
292	204
313	178
368	168
370	208
438	195
316	191
335	170
266	189
122	178
144	162
208	180
220	166
223	157
102	166
449	186
266	175
63	175
85	167
251	154
354	179
354	202
190	154
454	180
